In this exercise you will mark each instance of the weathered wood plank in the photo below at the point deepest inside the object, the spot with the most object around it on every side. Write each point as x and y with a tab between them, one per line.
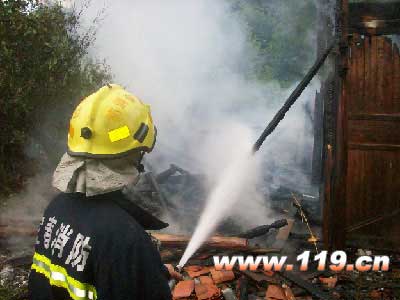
374	147
368	69
361	73
352	82
377	117
372	89
388	76
350	97
374	132
375	186
380	93
349	201
170	240
396	78
367	132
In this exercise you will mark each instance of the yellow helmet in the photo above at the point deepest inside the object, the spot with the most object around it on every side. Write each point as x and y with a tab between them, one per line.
110	123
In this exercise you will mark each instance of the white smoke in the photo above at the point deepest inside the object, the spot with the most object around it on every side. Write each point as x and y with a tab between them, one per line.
189	60
193	62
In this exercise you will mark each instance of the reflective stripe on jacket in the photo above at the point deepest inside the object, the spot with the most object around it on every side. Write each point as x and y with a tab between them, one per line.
92	248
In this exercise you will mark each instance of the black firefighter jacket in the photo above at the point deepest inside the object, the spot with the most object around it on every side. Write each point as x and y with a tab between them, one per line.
96	248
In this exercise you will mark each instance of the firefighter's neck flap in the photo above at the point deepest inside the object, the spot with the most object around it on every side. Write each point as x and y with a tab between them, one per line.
95	176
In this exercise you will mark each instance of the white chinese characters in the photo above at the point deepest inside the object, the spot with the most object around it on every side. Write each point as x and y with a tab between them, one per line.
79	253
58	241
62	236
48	229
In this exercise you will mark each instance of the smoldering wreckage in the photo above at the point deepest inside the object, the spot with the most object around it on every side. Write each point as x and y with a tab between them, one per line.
303	223
297	231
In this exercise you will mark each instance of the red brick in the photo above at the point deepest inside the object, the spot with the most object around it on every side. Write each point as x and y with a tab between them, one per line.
183	289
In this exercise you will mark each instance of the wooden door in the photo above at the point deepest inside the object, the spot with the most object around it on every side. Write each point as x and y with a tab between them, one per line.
372	141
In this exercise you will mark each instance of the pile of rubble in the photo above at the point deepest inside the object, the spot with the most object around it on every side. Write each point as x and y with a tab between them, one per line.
14	273
204	282
181	192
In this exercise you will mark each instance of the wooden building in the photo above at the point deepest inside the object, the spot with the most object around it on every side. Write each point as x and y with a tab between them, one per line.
360	136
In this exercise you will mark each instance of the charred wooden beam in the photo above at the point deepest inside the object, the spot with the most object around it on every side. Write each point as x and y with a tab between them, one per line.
308	286
327	195
242	288
261	279
261	230
292	98
221	242
172	170
261	251
336	219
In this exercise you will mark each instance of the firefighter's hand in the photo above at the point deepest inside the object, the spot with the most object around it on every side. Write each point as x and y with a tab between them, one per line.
174	274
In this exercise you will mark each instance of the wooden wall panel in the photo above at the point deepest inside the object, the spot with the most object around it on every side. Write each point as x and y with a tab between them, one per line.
373	75
374	192
377	106
372	83
375	187
374	132
396	74
362	184
371	139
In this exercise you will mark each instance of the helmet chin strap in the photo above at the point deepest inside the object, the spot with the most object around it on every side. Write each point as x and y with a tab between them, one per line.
139	165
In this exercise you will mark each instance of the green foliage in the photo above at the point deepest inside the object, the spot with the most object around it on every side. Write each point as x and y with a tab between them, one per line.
43	67
280	31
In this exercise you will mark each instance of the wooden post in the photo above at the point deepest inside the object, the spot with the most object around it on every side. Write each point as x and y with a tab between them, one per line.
337	224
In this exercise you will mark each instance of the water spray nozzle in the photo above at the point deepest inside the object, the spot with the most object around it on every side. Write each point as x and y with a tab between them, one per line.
178	268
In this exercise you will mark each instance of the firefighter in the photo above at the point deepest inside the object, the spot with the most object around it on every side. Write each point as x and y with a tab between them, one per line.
92	242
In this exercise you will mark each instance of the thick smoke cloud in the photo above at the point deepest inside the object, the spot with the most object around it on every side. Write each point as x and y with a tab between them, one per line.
190	61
